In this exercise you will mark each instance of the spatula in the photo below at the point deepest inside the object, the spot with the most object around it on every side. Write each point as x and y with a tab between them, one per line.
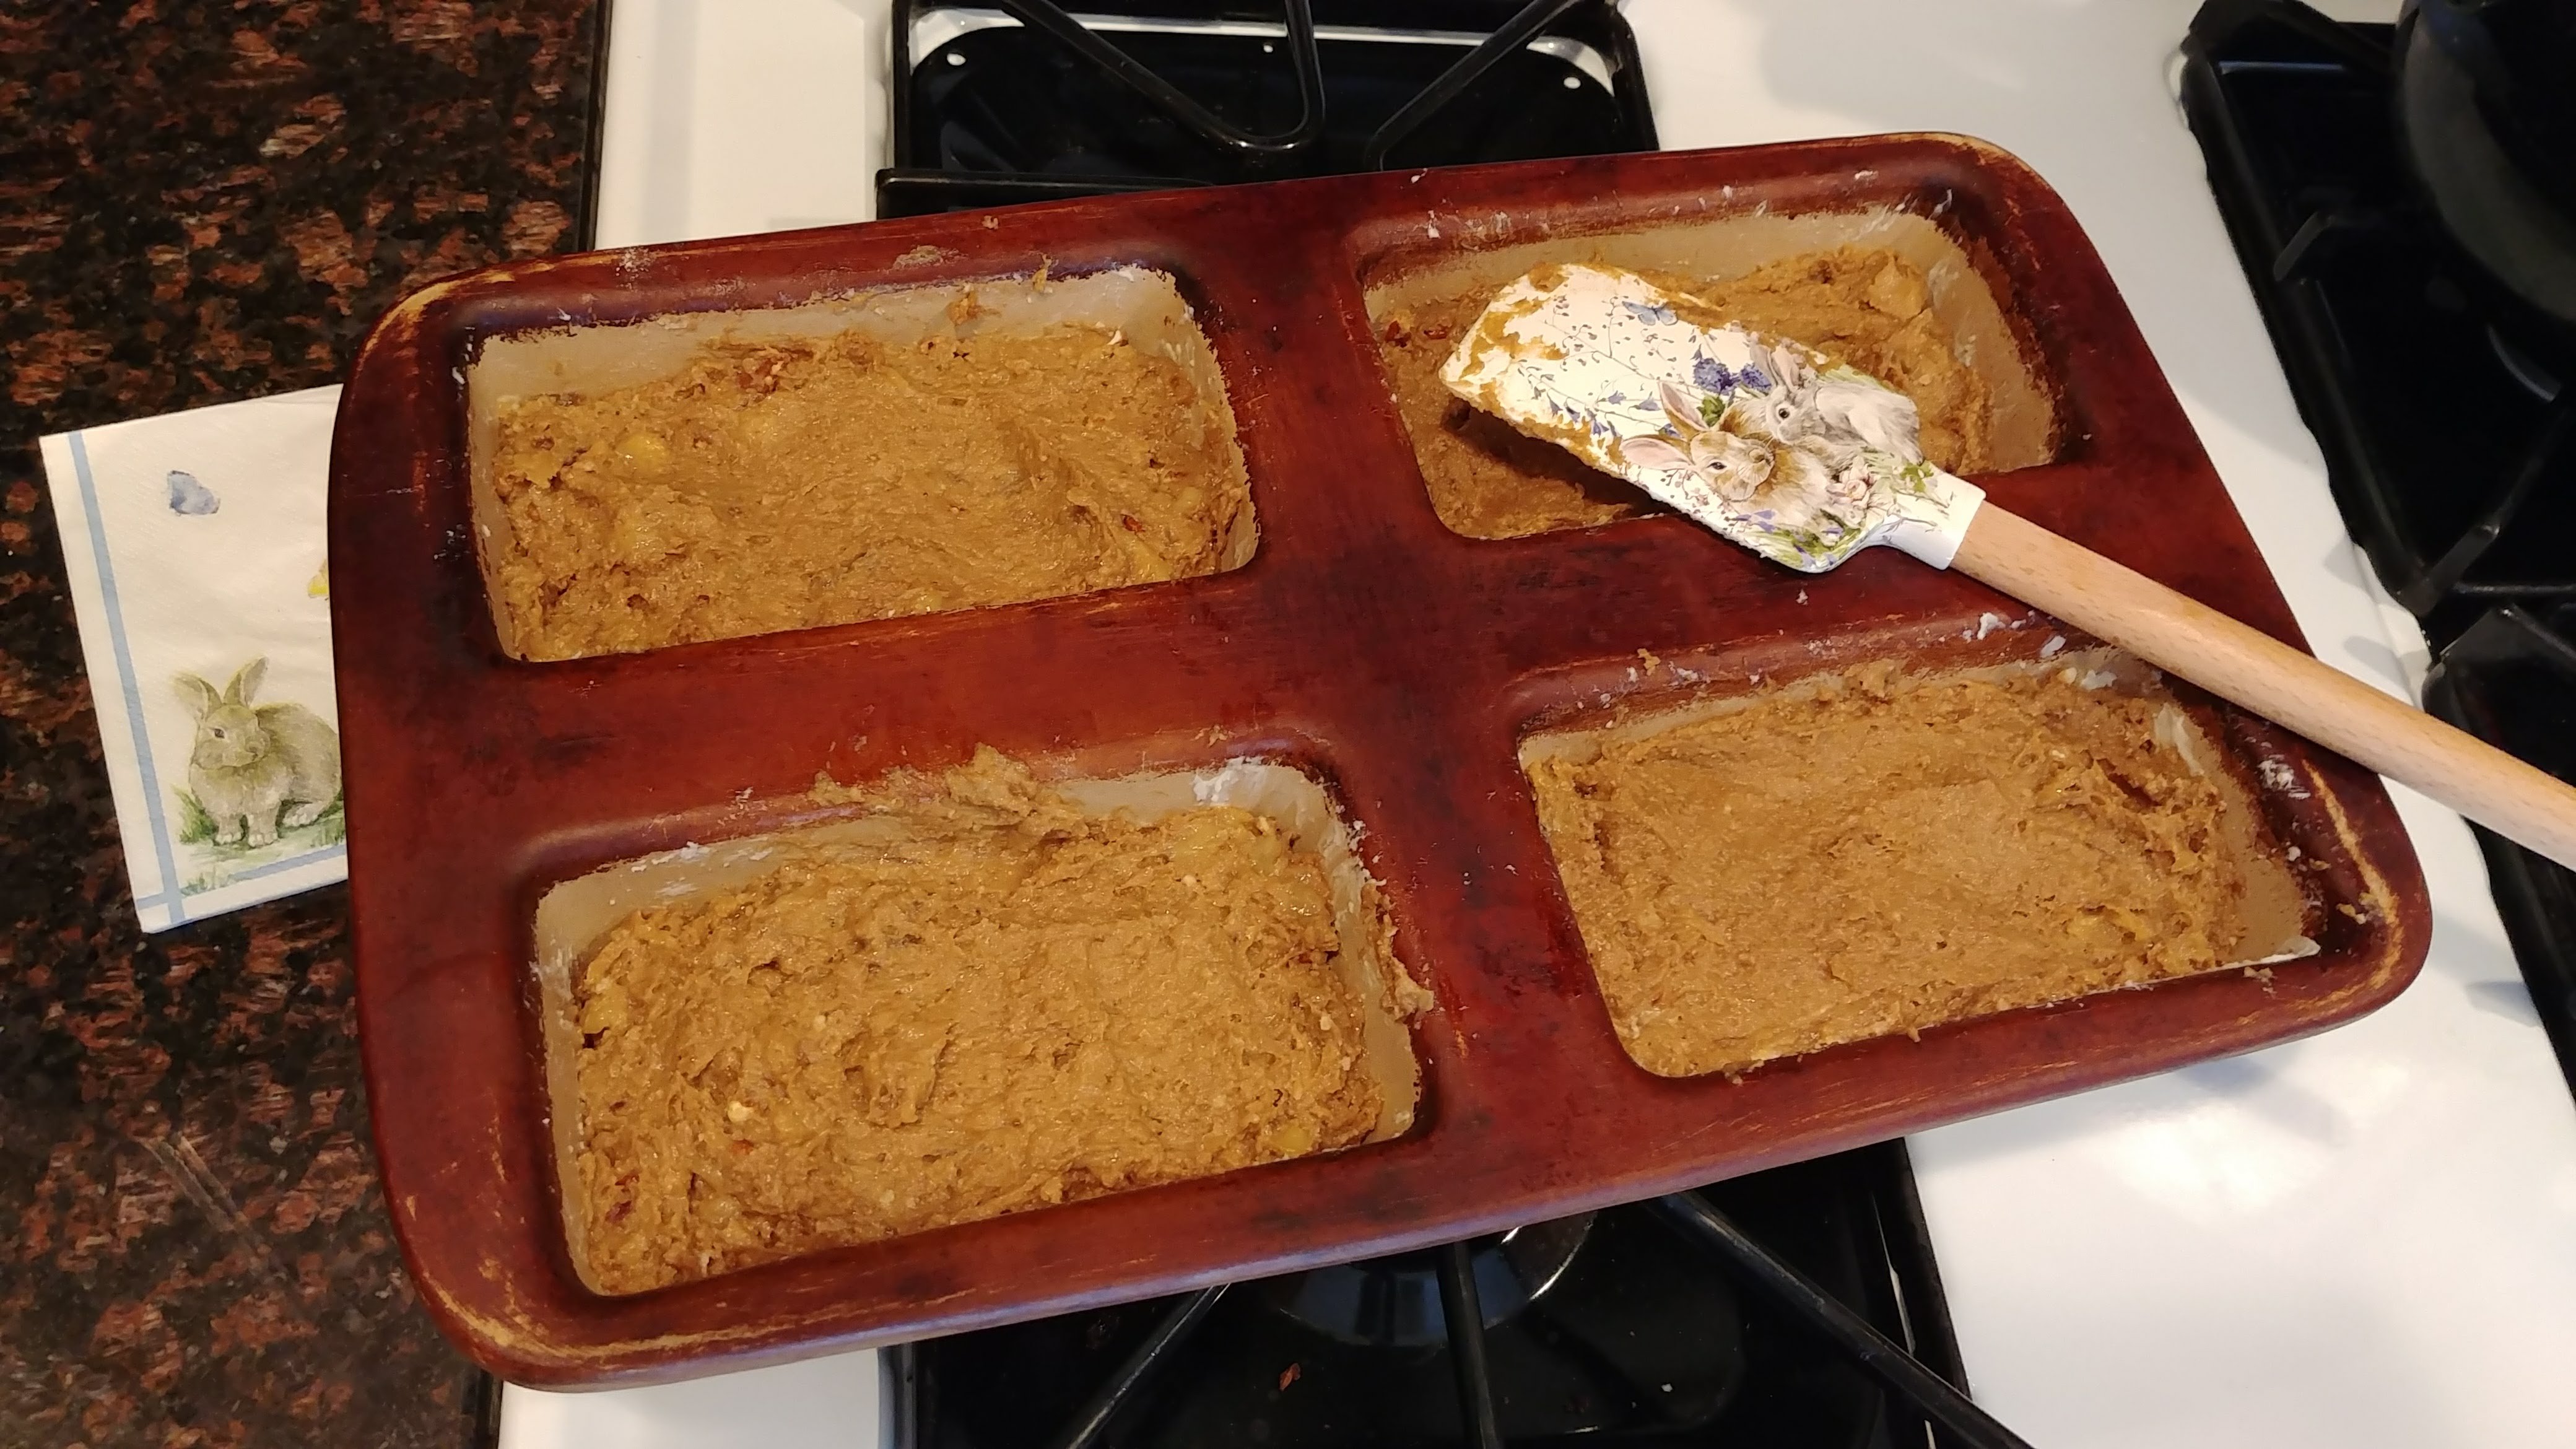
1807	462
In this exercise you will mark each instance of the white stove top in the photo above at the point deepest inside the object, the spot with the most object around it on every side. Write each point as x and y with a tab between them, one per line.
2368	1238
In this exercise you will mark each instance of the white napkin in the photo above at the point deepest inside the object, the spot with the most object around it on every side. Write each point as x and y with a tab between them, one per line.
195	547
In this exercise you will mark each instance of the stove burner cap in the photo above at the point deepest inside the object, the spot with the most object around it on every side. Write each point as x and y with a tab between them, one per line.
1394	1302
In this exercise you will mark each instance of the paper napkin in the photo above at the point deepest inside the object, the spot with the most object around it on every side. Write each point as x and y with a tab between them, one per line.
196	553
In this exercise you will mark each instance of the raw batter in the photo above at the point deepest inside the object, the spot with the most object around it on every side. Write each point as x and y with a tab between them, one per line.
1884	855
784	485
1026	1005
1868	307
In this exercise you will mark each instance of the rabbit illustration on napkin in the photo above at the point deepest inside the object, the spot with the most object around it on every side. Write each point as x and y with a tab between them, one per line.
256	770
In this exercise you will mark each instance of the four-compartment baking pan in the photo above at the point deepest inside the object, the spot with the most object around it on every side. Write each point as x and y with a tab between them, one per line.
908	776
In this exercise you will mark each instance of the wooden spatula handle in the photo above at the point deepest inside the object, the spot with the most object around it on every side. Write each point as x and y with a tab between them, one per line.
2260	673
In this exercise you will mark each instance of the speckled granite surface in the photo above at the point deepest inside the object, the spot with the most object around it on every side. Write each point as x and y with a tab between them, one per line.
201	202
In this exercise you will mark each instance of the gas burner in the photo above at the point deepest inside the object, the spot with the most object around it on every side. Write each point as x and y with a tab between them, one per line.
1395	1302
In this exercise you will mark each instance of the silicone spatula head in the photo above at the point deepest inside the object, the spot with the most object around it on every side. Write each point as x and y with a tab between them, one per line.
1801	459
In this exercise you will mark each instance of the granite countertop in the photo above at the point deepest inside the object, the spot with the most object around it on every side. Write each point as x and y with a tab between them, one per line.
200	203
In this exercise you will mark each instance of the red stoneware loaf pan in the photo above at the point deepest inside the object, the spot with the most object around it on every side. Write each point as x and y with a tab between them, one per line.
1399	665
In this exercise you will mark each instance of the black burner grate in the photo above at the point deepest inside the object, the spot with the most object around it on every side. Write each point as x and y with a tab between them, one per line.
1615	1329
1017	101
2446	446
2447	417
2512	679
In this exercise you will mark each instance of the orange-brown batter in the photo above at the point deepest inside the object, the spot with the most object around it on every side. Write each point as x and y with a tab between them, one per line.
1857	858
1019	1005
1868	307
789	484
